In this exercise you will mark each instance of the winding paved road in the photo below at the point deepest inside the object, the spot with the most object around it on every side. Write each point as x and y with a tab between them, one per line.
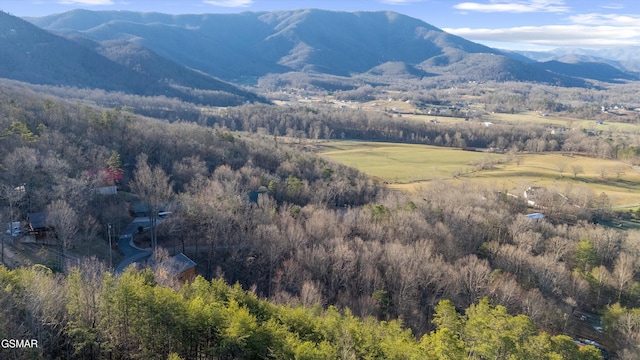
132	253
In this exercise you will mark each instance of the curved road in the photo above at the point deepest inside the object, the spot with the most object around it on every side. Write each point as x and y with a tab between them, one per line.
132	253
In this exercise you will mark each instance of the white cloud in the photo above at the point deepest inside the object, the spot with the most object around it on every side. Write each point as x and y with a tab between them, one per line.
613	6
398	2
606	19
229	3
556	35
593	30
87	2
515	6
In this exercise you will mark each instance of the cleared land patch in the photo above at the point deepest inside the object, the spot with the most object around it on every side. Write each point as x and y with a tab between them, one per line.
533	117
409	166
402	163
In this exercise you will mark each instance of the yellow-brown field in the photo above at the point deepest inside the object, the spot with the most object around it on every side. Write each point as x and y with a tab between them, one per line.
409	166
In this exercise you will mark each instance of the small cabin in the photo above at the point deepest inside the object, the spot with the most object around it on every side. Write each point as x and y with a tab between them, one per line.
182	268
39	227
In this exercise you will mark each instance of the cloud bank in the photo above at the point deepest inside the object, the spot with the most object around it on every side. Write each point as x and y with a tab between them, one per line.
229	3
86	2
518	6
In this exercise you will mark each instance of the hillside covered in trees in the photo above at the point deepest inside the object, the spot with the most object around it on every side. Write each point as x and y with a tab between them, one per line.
37	56
90	314
319	234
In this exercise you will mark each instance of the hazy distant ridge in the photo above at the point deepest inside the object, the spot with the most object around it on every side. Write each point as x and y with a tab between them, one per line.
33	55
243	47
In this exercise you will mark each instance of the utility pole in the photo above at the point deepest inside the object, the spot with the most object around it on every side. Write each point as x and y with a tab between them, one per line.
153	213
13	195
110	247
2	239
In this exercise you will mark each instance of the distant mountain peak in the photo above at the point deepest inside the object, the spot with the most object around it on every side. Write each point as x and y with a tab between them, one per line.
34	55
244	47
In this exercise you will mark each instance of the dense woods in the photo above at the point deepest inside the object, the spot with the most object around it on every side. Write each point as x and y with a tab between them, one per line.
323	121
316	234
90	314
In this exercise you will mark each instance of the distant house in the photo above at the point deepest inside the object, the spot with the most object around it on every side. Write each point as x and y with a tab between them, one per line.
540	198
107	190
182	268
107	177
255	195
107	181
530	195
39	227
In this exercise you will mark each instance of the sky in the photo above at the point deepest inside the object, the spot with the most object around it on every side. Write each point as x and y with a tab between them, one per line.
506	24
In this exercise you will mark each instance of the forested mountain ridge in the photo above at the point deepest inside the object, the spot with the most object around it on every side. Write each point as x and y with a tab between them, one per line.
622	57
203	88
33	55
291	40
244	47
590	69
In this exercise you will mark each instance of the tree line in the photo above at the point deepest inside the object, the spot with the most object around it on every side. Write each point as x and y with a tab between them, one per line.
303	122
321	123
90	314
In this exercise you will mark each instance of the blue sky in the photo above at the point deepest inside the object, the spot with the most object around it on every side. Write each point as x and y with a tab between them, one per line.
508	24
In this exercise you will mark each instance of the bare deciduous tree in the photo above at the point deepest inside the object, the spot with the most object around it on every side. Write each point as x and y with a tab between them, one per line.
620	170
603	171
153	188
601	277
622	274
558	247
577	170
473	276
561	167
64	220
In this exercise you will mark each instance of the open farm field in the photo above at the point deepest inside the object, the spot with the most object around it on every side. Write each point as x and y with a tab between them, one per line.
409	166
616	179
402	163
429	118
533	117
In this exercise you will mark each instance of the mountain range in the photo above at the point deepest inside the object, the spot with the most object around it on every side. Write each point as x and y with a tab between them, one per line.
625	58
170	54
30	54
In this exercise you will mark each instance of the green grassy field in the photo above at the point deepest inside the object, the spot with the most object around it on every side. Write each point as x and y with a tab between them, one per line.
409	166
402	163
